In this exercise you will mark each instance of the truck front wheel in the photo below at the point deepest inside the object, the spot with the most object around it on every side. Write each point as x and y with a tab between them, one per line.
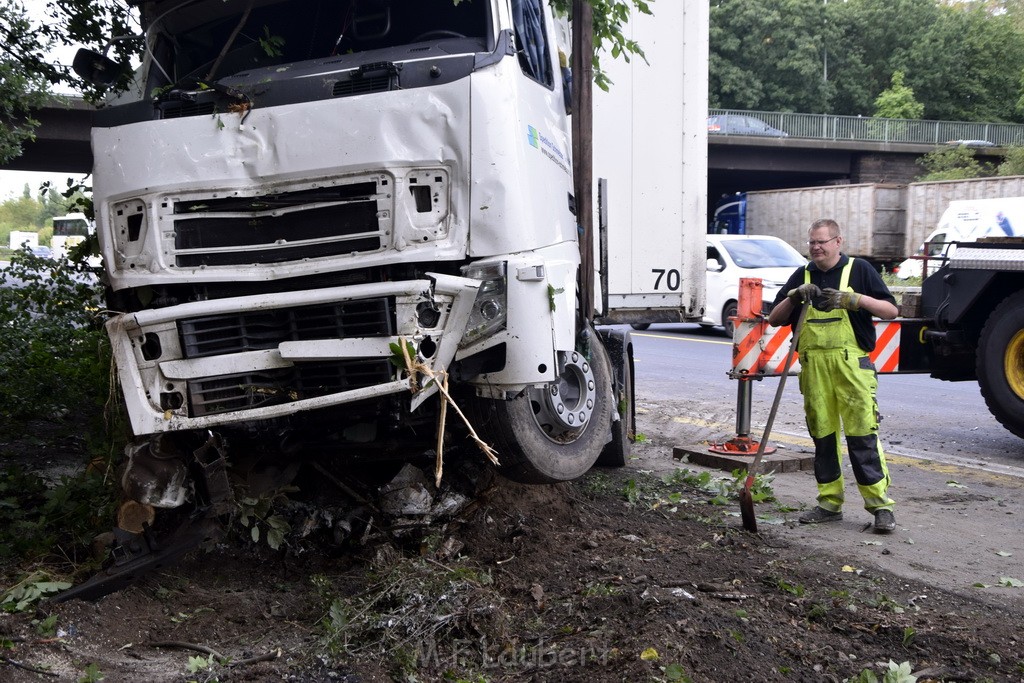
555	432
1000	363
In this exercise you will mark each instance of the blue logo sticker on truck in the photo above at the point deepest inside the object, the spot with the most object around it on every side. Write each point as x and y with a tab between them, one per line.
547	147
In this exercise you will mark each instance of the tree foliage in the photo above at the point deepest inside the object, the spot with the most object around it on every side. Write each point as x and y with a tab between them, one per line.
1013	162
610	18
963	60
768	54
951	163
897	101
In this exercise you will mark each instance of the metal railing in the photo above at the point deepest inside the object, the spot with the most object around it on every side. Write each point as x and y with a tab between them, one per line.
867	129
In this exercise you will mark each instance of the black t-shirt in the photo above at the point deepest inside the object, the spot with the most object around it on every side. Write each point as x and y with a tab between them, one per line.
863	279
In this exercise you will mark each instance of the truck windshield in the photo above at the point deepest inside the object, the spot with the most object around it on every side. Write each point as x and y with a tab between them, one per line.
210	39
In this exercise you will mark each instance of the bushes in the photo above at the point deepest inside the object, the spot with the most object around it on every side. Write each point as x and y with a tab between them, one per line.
54	382
54	355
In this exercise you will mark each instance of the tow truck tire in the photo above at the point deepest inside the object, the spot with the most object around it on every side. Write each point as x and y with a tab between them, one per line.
1000	363
528	451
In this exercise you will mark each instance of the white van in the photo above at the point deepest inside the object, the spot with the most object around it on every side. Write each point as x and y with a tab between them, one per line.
966	220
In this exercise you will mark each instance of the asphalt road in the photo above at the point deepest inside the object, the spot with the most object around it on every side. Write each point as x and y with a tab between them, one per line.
957	474
922	417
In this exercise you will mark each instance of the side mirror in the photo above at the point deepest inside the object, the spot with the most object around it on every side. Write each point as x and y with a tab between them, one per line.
715	265
95	68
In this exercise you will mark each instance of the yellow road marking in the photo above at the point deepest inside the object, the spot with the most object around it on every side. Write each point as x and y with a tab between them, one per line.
923	463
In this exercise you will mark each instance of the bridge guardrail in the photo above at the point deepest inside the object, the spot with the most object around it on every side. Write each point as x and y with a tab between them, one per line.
869	129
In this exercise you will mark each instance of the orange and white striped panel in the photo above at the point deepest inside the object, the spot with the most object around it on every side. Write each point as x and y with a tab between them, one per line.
767	353
746	346
886	355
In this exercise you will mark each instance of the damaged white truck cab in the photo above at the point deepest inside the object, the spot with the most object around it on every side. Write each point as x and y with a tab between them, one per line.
307	207
299	185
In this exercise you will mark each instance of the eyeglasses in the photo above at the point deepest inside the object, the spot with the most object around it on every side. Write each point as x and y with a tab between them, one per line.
821	243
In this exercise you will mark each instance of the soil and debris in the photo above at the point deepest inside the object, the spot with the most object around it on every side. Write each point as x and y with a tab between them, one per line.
624	575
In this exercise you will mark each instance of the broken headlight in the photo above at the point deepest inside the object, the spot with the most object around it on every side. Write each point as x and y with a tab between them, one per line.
490	308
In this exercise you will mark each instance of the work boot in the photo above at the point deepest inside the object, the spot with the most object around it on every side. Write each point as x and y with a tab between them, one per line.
819	515
885	521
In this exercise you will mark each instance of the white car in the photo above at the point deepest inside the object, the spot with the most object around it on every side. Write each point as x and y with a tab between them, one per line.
731	257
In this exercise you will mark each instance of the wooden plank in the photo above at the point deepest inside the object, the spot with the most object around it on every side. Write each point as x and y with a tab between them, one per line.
774	462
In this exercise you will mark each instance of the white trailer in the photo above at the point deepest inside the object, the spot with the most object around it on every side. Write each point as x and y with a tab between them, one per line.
24	238
650	144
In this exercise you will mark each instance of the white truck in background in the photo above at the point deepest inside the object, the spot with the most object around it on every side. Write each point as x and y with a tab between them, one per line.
276	223
965	220
23	238
69	231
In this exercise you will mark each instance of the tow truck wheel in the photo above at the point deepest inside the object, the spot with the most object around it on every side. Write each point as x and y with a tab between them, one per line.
556	432
1000	364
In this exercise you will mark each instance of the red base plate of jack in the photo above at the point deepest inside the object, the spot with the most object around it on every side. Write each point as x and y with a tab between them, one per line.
741	445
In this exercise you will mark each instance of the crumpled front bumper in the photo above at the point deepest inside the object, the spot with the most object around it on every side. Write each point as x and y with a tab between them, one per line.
229	361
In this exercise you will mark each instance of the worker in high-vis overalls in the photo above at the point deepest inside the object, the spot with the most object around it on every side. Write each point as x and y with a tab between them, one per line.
837	379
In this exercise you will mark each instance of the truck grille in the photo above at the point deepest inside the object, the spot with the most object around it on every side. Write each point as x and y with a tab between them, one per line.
278	227
273	387
259	330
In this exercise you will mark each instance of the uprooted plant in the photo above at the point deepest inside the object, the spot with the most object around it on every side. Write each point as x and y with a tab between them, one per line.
413	605
403	356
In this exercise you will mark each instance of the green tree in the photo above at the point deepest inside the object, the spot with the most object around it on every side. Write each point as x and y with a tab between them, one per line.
610	18
952	163
27	72
966	66
873	44
770	54
1013	162
21	90
897	101
963	60
21	213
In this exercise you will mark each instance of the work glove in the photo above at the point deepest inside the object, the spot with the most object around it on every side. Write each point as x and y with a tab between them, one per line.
805	292
833	299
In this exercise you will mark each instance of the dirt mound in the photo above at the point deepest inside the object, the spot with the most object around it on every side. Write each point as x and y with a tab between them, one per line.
619	576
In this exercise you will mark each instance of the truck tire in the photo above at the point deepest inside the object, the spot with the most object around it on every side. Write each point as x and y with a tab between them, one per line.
533	445
619	347
1000	363
729	312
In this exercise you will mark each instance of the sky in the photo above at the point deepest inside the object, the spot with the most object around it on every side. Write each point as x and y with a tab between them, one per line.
12	183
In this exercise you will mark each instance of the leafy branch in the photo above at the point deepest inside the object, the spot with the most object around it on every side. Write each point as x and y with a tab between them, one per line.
609	20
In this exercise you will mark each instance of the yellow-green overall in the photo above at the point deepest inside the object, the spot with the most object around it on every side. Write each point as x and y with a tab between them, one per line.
839	385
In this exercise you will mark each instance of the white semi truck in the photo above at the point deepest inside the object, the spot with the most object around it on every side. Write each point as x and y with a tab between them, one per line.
296	189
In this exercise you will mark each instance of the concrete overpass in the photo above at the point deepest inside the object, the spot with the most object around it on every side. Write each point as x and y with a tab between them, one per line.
787	149
62	139
740	163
